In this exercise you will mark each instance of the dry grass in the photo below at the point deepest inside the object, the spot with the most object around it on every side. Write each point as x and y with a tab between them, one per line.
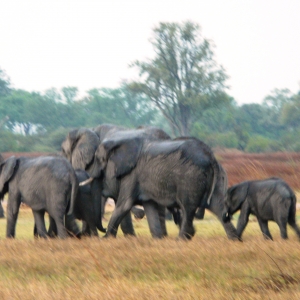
208	267
244	166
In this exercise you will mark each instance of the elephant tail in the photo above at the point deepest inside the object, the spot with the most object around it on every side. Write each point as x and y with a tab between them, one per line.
74	183
215	177
292	212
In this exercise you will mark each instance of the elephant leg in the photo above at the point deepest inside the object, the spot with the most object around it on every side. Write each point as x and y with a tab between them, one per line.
169	214
200	213
293	224
243	219
71	226
61	230
122	209
218	209
52	230
89	227
98	203
282	223
93	231
12	211
187	230
40	228
265	229
85	230
1	210
127	226
138	212
153	218
162	219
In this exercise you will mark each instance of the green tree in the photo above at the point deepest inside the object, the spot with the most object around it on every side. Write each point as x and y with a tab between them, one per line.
183	79
4	83
119	106
290	115
70	93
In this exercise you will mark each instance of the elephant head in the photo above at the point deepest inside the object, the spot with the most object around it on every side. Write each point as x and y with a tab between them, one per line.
79	148
7	169
123	152
236	195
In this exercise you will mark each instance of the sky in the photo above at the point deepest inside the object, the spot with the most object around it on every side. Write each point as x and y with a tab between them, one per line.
90	44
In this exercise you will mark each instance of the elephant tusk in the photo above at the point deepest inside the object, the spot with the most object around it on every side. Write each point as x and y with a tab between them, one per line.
89	180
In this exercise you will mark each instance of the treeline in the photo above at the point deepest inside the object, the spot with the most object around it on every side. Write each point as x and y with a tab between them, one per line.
32	121
181	90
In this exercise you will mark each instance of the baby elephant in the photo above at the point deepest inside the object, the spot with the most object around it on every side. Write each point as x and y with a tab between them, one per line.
269	200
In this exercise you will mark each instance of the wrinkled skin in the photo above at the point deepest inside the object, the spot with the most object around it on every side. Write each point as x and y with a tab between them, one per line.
83	210
45	184
269	200
79	148
181	173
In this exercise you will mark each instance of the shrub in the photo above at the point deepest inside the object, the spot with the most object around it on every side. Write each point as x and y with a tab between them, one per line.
258	144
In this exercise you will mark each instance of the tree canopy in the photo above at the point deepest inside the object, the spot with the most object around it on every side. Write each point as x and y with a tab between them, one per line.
183	79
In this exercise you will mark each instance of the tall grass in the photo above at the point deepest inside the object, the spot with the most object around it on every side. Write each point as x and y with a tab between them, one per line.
208	267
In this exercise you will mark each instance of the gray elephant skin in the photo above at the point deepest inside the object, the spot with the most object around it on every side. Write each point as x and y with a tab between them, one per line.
269	200
179	173
83	210
79	148
45	184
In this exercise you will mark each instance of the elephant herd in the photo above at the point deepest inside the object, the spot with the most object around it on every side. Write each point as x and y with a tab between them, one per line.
144	167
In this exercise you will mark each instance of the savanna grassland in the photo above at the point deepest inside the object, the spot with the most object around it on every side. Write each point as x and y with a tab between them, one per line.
208	267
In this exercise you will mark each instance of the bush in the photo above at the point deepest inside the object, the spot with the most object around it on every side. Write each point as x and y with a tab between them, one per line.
223	140
51	142
258	144
8	141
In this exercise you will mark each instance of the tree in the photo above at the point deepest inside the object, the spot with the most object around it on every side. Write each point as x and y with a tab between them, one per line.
70	93
291	112
183	79
119	106
4	84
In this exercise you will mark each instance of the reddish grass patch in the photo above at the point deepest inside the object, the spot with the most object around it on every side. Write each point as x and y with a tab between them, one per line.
245	166
242	166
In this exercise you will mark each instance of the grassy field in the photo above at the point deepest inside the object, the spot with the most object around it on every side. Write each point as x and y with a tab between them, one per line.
208	267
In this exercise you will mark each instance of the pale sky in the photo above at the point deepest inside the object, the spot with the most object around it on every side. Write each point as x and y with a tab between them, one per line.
89	44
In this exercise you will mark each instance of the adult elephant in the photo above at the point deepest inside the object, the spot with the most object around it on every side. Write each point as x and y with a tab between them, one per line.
83	210
79	148
179	173
45	184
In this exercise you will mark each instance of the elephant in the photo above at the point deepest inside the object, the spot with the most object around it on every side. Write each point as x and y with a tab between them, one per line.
181	173
270	199
79	148
45	184
83	210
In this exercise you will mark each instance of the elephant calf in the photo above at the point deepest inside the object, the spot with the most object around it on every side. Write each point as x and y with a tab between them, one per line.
269	200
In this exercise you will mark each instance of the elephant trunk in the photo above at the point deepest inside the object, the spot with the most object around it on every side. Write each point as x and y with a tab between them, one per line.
74	191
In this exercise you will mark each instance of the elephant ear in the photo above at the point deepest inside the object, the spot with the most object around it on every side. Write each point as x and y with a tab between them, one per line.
124	153
80	146
237	195
7	170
